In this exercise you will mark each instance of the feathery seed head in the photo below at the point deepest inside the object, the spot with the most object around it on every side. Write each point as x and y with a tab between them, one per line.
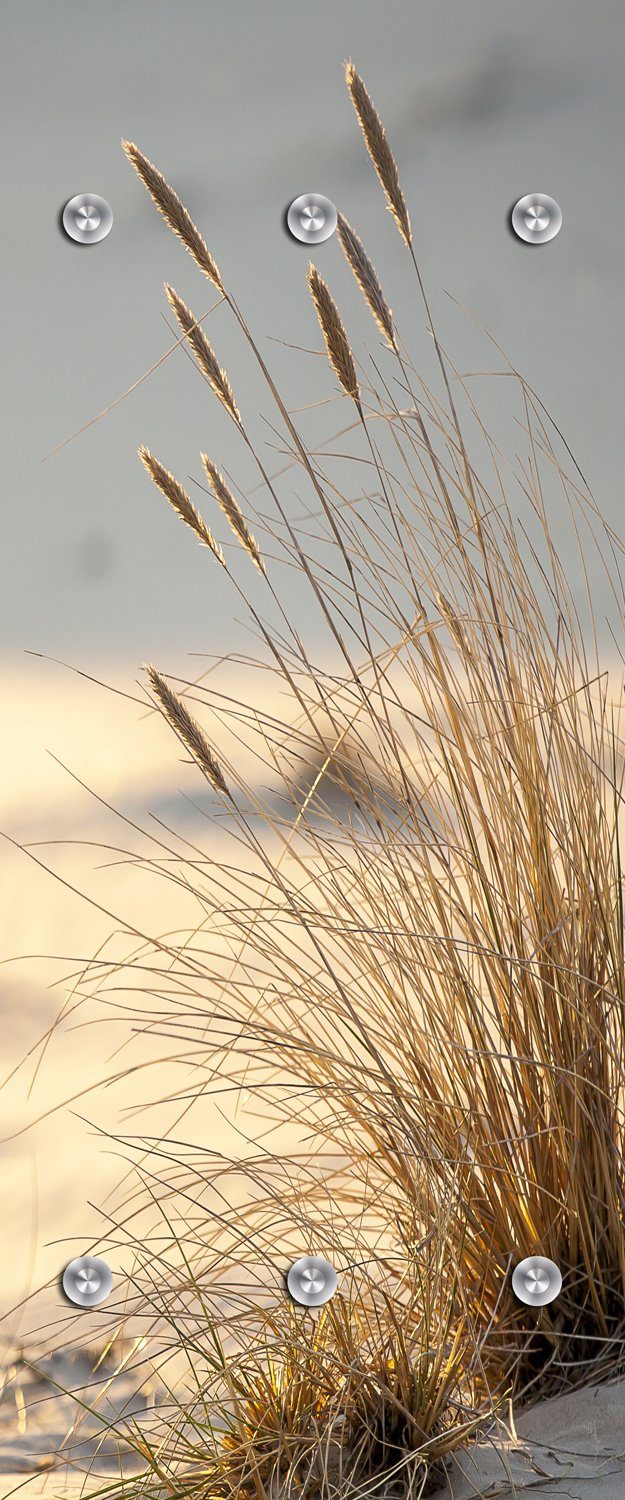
379	150
203	352
336	340
232	511
356	256
180	501
174	212
188	729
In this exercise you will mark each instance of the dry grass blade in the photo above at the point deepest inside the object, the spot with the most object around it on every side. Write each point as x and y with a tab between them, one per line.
379	150
203	352
356	256
336	340
187	729
181	502
232	511
174	212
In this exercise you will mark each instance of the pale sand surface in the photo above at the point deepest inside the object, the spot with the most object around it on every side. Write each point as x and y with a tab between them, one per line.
45	1434
572	1447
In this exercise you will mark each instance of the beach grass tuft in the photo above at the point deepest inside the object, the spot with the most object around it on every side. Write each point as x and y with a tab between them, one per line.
424	926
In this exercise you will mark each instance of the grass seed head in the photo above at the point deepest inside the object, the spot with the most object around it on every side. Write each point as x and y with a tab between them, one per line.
204	354
379	150
365	274
187	729
181	502
336	340
174	212
232	511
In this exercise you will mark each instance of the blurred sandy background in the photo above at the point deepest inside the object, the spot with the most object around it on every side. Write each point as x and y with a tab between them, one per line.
244	107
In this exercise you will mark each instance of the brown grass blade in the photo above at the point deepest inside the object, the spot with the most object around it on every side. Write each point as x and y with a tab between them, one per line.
356	256
336	340
379	150
188	730
204	354
232	512
181	502
174	212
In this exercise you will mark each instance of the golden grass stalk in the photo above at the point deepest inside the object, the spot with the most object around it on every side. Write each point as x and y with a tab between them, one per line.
336	340
174	213
204	354
379	150
188	730
365	274
232	511
180	501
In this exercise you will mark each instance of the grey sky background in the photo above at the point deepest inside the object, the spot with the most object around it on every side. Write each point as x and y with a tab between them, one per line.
243	106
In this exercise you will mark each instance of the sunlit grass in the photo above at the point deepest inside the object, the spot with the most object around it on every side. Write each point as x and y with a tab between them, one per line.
413	963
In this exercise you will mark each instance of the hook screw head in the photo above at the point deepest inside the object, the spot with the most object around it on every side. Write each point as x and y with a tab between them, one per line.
311	218
536	1281
536	218
87	218
312	1281
87	1281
